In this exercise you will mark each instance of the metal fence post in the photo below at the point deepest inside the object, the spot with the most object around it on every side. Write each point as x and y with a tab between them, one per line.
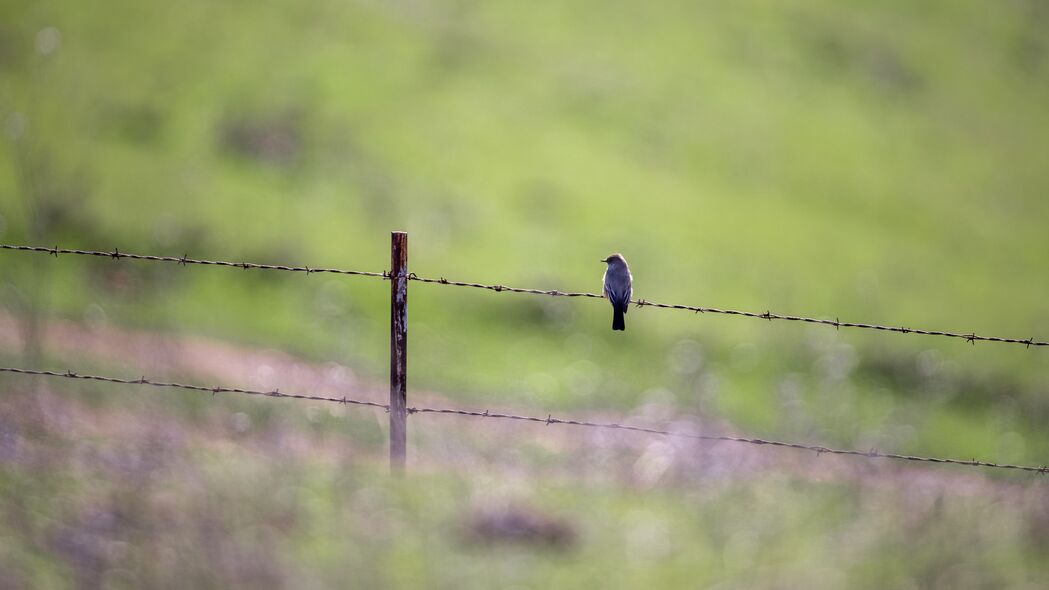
398	350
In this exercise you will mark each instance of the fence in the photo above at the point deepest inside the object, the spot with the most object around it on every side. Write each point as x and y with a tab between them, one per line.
398	408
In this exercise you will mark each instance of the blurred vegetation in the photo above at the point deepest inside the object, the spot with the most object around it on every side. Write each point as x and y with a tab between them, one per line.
238	494
881	163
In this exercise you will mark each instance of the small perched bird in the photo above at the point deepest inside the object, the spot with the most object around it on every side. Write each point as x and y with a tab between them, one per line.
618	287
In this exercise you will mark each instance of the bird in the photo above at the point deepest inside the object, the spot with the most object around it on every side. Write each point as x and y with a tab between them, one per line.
618	287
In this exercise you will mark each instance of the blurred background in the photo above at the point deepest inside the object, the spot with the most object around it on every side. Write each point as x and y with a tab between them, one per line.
876	163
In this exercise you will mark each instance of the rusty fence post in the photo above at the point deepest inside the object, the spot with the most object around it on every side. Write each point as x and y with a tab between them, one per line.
398	350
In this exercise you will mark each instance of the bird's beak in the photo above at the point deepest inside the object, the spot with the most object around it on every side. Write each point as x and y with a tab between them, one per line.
603	260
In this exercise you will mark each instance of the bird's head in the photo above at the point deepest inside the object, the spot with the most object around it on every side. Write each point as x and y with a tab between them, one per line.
614	259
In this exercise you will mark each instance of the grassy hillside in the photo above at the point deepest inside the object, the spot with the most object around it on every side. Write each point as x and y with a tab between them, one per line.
880	163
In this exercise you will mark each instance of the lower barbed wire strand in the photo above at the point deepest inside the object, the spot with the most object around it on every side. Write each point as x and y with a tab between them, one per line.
550	419
733	439
202	388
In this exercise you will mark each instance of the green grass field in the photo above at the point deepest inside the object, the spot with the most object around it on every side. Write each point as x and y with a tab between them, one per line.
875	163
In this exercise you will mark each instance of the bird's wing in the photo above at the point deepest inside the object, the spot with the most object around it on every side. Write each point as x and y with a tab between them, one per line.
620	298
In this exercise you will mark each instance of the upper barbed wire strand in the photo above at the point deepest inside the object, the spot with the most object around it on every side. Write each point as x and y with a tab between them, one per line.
970	337
184	260
768	315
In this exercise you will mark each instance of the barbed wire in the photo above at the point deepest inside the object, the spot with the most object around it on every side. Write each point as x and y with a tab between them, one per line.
116	254
970	337
819	450
212	390
550	419
768	315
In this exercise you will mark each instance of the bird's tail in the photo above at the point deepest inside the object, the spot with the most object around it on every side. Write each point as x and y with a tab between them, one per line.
618	322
